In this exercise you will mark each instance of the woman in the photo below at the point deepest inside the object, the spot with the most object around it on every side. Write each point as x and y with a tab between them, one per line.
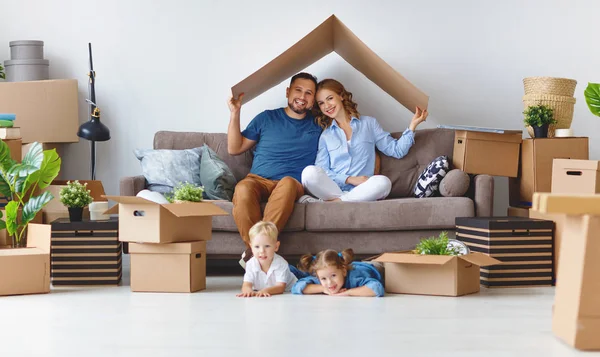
345	164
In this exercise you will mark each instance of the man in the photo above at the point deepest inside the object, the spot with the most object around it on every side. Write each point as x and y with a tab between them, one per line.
286	141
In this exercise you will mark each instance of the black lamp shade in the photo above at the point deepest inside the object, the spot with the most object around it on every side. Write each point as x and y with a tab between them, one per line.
94	130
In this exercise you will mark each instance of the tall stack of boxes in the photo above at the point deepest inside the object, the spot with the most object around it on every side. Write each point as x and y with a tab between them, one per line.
167	242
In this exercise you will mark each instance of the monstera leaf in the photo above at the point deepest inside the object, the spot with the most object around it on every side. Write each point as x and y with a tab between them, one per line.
12	211
33	206
592	98
49	168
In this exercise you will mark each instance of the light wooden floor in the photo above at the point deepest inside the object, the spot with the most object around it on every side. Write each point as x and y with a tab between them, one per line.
115	322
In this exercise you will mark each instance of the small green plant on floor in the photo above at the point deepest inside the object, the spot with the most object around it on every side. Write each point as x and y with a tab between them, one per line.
539	115
186	192
20	182
75	194
436	246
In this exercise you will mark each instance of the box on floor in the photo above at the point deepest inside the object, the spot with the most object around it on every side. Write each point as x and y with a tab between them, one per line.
537	157
144	221
172	267
487	153
27	270
408	273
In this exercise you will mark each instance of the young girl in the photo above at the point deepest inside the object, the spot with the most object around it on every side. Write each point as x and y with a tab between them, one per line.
345	164
334	273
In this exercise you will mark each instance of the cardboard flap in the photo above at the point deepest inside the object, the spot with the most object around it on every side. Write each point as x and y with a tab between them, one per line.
508	137
573	164
130	200
171	248
479	259
113	210
195	209
410	258
568	204
332	35
38	236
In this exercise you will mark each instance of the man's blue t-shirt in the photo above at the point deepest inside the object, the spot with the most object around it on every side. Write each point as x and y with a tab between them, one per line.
285	146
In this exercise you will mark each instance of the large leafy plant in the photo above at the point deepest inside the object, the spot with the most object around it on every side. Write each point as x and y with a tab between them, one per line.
20	182
592	98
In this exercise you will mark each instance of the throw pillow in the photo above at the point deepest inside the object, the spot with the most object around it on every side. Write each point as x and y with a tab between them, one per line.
164	169
216	177
429	181
455	184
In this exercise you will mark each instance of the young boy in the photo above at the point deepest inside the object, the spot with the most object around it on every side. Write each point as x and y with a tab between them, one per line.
267	273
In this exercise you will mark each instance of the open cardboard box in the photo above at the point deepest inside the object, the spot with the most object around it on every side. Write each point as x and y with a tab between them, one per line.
409	273
55	209
169	268
144	221
332	36
27	270
47	111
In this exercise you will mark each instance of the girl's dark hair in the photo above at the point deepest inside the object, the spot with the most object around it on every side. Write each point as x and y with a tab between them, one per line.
311	263
350	107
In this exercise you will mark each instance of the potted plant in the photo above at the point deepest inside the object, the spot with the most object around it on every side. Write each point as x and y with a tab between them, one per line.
592	98
186	192
21	183
441	245
75	196
539	117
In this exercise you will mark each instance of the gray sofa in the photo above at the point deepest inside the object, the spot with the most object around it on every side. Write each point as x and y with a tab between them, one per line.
369	228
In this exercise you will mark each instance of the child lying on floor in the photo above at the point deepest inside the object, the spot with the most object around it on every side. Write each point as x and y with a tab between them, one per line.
334	273
267	273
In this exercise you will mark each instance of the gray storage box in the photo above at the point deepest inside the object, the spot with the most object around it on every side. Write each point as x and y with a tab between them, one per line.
20	50
27	70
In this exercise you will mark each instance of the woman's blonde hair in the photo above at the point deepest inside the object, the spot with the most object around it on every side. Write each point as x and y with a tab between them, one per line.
311	263
349	105
267	228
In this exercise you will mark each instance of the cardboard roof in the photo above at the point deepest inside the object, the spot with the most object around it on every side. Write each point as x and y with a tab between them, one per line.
332	36
178	209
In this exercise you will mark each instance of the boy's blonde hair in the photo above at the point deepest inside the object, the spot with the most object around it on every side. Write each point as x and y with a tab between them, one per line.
267	228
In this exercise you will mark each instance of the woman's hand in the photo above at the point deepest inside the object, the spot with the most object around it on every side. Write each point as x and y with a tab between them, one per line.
235	104
356	180
419	117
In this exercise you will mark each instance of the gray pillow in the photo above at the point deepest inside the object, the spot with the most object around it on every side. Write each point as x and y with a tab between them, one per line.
216	177
455	184
164	169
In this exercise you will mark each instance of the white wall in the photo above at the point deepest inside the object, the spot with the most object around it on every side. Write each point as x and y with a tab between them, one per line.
169	64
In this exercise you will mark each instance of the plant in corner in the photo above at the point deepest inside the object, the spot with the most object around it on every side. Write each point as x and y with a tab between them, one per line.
75	196
21	182
592	98
436	246
186	192
539	117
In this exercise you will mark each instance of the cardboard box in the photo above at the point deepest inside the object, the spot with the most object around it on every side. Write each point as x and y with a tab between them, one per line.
86	253
170	268
523	245
55	209
576	315
14	146
29	268
144	221
42	107
575	176
487	153
332	36
408	273
518	212
537	156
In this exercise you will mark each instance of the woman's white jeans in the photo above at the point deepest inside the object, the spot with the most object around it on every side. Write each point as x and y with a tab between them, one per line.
318	184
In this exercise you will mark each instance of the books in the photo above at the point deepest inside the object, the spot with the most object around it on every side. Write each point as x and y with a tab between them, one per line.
478	128
10	133
8	116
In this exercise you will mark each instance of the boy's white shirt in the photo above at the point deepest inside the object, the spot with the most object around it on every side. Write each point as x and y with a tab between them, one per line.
279	272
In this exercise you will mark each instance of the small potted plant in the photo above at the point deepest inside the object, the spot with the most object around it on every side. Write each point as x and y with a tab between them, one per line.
539	117
75	196
441	245
186	192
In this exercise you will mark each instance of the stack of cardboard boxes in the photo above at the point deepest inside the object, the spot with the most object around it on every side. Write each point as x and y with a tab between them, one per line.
167	242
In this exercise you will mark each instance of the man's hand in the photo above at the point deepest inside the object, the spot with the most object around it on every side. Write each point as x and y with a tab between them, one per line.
419	117
235	104
262	293
356	180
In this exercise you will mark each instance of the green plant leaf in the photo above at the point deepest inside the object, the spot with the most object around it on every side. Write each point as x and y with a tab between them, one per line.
12	212
592	98
4	187
34	205
6	162
49	169
2	224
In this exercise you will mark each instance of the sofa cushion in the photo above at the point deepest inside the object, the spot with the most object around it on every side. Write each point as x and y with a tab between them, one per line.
216	177
428	182
455	184
164	169
227	224
388	215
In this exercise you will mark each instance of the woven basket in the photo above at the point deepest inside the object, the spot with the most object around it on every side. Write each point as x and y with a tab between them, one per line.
549	85
563	110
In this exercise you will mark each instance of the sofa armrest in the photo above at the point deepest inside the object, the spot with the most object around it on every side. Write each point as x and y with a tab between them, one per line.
484	195
131	185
